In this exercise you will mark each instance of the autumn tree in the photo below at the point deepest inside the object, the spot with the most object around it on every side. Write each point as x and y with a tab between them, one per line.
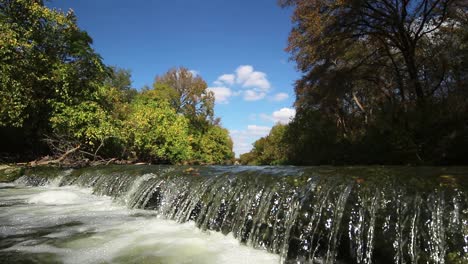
188	95
327	30
385	72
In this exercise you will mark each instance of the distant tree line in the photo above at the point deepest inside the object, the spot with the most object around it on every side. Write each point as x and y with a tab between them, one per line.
384	82
58	97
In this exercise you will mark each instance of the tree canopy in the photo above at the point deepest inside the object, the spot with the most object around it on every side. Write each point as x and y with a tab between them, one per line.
188	94
56	95
45	59
383	82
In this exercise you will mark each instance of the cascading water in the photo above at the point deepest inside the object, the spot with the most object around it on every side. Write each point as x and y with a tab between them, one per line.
305	215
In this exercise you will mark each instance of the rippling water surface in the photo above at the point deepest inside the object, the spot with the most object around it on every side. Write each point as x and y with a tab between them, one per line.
50	224
207	214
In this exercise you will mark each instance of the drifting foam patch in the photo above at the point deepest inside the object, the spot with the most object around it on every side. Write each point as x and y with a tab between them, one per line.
54	197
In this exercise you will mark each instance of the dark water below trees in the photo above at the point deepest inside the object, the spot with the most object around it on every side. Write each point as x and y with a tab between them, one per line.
306	215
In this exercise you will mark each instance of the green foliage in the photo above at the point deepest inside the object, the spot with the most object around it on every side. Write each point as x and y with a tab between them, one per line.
157	132
188	95
214	146
275	151
45	59
53	85
163	92
148	128
116	94
120	80
86	122
248	158
269	150
312	138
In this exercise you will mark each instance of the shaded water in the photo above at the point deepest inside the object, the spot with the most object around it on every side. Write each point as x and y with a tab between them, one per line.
305	215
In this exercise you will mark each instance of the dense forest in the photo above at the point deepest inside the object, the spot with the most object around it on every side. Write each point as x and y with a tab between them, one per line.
383	82
58	99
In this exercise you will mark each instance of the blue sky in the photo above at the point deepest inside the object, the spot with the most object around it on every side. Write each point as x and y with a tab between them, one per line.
236	46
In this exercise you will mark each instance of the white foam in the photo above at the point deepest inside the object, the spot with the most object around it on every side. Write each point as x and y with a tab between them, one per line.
109	233
54	197
164	242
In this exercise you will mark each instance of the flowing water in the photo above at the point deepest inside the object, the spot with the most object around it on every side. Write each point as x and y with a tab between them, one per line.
70	225
169	214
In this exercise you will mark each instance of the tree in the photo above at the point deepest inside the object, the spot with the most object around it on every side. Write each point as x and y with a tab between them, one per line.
214	146
120	79
276	152
97	123
384	73
324	30
157	133
247	159
44	59
89	126
188	95
55	88
269	150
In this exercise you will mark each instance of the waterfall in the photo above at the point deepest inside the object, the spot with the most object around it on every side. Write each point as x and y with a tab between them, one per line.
306	215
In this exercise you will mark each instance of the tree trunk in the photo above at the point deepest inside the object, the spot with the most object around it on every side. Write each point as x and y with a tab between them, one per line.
409	56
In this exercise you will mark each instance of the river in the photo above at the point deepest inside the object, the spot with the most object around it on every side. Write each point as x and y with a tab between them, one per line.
169	214
49	224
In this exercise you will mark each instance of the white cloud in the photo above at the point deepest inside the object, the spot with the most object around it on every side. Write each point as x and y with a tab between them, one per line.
283	116
255	83
258	130
251	95
247	77
225	79
222	94
243	139
243	72
280	97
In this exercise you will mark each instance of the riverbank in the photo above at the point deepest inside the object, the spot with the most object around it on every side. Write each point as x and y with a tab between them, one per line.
9	173
12	171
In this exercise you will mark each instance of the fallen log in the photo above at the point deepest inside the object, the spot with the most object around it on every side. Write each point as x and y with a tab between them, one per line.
43	162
